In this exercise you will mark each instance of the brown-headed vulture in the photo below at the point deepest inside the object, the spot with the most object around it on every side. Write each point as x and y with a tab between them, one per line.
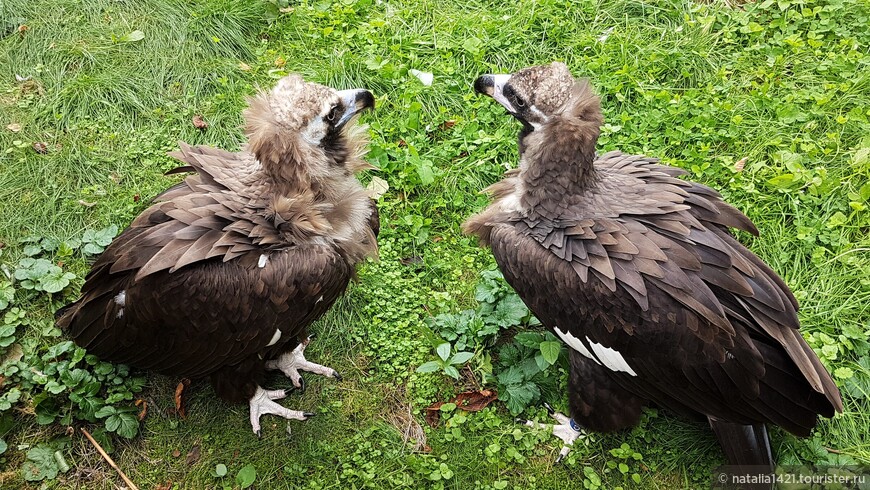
637	272
222	275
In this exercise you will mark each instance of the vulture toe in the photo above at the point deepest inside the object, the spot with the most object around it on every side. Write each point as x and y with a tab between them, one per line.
222	275
636	270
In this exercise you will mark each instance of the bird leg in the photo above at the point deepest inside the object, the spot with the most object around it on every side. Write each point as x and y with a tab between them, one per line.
567	430
263	402
290	363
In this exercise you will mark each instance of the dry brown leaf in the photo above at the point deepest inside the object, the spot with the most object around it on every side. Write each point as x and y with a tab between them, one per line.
475	401
179	397
165	486
136	198
40	147
470	401
14	127
448	124
244	66
740	164
23	28
280	62
433	414
194	455
144	411
87	204
199	122
176	453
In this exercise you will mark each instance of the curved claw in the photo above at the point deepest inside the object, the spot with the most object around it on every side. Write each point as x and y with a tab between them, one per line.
336	375
564	452
308	415
550	409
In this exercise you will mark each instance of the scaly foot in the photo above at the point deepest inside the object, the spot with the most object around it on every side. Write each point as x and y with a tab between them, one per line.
263	402
290	363
567	430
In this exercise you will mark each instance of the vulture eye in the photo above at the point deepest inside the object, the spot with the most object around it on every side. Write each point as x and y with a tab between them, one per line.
332	114
519	102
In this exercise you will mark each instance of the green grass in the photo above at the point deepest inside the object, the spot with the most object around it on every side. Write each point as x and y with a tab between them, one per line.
701	85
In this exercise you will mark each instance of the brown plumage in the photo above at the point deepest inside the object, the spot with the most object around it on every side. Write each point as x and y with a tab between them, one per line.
637	272
224	272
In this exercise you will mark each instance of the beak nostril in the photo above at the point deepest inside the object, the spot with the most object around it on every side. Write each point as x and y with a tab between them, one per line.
484	84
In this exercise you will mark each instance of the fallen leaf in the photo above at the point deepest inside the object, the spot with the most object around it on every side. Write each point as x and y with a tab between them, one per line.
470	401
412	260
377	187
19	78
165	486
194	455
176	453
136	198
199	122
280	62
40	147
425	77
115	177
179	397
87	204
14	127
132	37
23	28
235	454
740	164
144	410
447	124
401	143
244	66
433	414
475	401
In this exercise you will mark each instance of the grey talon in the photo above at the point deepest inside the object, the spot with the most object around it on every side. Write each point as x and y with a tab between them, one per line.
549	408
308	414
336	375
259	434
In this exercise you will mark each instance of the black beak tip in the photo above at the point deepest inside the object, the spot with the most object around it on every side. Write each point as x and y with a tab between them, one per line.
484	84
367	99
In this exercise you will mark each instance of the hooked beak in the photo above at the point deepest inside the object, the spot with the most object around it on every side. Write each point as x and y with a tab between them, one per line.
355	101
493	86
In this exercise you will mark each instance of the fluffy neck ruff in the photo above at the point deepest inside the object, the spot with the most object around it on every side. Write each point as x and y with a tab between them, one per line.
557	158
312	191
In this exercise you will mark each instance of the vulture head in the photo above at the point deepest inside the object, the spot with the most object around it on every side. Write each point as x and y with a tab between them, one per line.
561	115
302	132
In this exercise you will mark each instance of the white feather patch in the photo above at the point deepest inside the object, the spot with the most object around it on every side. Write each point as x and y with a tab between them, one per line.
315	131
262	262
120	313
275	337
121	298
610	358
605	356
575	344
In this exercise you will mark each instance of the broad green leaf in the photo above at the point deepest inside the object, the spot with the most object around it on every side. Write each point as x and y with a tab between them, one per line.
451	371
40	464
443	351
105	412
246	476
550	350
429	367
125	424
461	357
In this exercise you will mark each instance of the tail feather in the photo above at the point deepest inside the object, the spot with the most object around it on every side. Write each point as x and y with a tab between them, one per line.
744	445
